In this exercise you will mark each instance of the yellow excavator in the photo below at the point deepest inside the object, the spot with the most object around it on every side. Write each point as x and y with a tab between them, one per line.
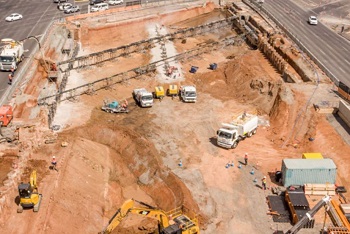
28	194
172	222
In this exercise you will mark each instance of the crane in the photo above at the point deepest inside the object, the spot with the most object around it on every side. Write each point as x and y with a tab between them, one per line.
179	224
28	194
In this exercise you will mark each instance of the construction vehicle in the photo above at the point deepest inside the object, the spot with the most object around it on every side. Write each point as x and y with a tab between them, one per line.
231	134
188	93
159	92
309	215
115	107
172	222
6	115
172	91
11	54
29	195
143	97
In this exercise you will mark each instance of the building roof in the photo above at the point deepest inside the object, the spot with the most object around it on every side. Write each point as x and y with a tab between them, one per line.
309	164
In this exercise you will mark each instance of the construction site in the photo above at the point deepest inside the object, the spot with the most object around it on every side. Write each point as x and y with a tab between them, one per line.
174	167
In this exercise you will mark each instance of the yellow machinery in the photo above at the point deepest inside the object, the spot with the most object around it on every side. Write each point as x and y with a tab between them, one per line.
172	91
172	222
159	92
28	195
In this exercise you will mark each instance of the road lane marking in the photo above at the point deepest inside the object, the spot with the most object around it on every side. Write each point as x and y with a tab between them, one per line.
43	14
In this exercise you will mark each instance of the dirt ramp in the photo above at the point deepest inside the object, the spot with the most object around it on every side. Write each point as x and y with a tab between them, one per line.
137	169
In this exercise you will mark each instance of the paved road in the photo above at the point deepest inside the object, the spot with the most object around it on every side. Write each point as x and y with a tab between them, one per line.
37	15
331	50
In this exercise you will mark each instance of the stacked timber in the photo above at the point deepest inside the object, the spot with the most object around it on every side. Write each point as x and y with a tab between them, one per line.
319	189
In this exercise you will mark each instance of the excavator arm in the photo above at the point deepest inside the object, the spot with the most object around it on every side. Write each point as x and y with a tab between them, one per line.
128	207
33	179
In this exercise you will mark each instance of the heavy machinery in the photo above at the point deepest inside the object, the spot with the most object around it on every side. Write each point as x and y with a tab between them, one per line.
115	107
159	92
308	216
172	222
172	91
11	55
143	97
188	93
29	195
231	134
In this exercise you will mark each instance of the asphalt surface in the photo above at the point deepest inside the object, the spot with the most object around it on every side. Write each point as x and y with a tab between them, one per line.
37	16
332	50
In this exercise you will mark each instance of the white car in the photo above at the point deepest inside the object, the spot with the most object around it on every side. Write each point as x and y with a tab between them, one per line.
115	2
13	17
64	6
313	20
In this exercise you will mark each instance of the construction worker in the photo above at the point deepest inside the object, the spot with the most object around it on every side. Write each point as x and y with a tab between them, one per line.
246	159
10	79
263	183
54	163
125	104
12	71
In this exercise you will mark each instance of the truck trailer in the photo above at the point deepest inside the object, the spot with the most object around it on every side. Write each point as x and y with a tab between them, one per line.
231	134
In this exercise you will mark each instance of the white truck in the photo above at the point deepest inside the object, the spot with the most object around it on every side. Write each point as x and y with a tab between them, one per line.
188	93
11	54
143	97
231	134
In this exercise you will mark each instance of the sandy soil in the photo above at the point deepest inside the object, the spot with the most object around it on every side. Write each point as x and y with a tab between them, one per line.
111	158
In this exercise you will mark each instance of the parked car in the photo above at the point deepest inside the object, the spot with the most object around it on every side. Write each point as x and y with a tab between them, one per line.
59	1
93	2
313	20
73	9
115	2
13	17
64	6
99	7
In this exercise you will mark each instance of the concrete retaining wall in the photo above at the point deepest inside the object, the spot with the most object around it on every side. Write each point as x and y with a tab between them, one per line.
344	112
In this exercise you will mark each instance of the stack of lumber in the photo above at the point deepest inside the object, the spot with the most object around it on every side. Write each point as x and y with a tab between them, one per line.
346	210
319	189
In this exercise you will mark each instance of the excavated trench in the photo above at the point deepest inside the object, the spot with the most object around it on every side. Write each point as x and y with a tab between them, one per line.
244	77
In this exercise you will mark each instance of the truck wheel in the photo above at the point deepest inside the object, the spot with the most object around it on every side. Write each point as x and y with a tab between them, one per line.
234	145
254	131
250	134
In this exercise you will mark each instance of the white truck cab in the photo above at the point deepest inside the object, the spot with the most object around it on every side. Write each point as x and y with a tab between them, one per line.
11	55
188	93
231	134
143	97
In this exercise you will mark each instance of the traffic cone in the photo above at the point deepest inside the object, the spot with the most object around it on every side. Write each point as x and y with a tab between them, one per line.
252	172
227	165
239	166
232	164
255	180
180	163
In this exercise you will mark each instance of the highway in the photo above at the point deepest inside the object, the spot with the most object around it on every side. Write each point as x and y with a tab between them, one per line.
332	50
37	16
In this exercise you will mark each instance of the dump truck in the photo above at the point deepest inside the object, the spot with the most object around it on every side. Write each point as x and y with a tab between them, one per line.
115	107
231	134
188	93
143	97
11	54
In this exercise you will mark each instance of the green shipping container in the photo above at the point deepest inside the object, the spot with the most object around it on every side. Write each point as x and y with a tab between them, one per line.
301	171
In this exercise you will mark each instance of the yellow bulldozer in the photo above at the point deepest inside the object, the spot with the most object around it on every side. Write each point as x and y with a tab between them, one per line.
29	196
172	222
